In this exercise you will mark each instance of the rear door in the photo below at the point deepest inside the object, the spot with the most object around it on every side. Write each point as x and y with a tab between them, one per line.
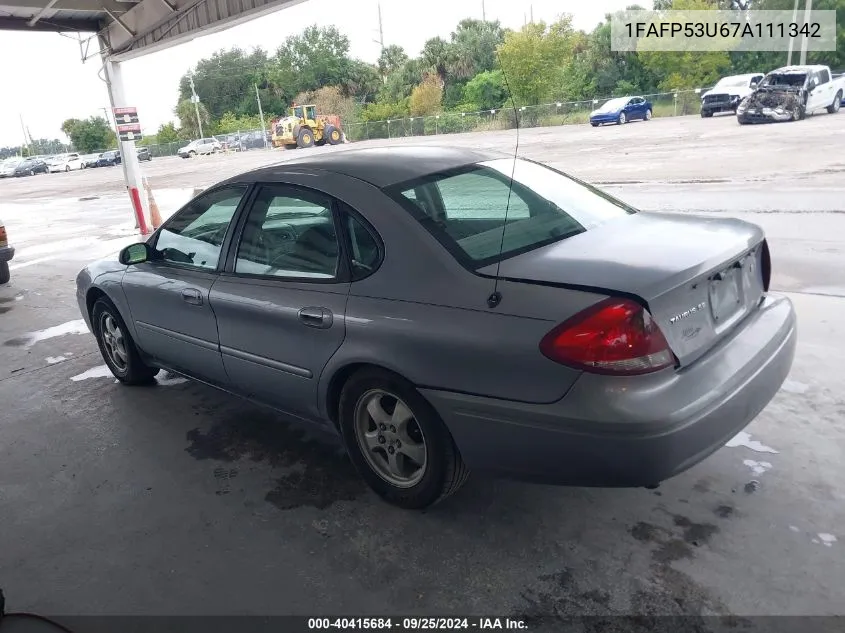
281	301
821	96
169	296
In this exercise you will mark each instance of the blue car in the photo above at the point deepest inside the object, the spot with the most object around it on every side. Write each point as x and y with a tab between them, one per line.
621	110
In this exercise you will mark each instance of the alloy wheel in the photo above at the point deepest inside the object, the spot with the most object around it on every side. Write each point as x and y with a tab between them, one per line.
114	342
390	438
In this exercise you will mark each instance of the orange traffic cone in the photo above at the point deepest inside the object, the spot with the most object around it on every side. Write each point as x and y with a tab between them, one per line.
155	216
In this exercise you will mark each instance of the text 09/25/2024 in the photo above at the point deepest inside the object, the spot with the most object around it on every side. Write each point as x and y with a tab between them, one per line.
417	623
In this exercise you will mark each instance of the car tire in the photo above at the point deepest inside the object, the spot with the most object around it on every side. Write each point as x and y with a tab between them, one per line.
417	486
648	115
622	120
31	172
117	347
833	108
67	168
706	114
192	154
5	275
594	124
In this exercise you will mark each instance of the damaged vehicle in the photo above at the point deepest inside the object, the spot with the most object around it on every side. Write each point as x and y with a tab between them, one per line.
790	94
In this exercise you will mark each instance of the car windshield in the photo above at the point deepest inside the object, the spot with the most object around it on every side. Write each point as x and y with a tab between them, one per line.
476	215
784	79
613	105
733	82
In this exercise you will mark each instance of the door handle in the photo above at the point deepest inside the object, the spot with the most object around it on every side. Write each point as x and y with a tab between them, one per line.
192	296
316	317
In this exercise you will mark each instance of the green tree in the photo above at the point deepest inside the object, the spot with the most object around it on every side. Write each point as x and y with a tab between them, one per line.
474	44
392	58
401	82
188	124
225	82
88	135
533	58
687	69
317	57
426	98
436	56
167	133
486	91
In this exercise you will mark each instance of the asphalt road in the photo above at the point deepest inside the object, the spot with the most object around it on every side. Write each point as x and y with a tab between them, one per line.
175	499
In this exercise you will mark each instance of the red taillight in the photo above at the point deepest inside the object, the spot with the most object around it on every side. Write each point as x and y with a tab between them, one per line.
3	237
615	336
766	266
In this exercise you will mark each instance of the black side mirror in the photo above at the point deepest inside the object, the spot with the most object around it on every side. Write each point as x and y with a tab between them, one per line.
135	254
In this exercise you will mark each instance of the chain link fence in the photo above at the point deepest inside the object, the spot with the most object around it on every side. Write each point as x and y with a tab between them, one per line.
546	115
664	104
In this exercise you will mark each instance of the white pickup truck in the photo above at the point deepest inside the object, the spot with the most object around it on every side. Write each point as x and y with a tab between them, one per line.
791	93
727	94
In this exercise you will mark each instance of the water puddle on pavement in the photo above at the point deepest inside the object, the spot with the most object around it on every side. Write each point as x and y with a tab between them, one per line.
28	340
95	372
744	439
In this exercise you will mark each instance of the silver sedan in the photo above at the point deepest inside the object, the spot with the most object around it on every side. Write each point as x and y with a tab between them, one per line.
446	310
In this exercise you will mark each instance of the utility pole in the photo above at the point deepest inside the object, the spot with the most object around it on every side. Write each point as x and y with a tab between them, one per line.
380	40
808	7
792	39
261	114
25	142
483	12
196	100
531	8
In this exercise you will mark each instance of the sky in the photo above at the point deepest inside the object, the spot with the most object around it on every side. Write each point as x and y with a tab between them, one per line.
49	83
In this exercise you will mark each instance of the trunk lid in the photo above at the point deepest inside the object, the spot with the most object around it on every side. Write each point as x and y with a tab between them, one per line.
698	276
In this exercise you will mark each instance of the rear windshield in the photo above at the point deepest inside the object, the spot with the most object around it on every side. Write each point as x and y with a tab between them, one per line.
480	219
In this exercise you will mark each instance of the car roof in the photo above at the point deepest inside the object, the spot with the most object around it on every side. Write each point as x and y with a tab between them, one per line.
379	166
798	69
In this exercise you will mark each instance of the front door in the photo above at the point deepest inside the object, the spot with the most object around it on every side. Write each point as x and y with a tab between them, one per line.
169	296
281	301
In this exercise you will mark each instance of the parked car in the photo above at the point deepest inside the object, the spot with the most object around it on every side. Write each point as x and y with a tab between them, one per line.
791	93
621	110
30	167
394	296
200	146
89	160
109	159
8	166
728	92
7	253
143	153
64	162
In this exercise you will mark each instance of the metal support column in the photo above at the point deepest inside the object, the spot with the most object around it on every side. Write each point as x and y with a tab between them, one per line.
128	155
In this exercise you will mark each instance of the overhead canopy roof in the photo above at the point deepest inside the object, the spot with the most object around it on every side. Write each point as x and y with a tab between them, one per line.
131	28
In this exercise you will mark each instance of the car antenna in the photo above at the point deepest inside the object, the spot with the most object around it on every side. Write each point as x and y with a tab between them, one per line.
496	297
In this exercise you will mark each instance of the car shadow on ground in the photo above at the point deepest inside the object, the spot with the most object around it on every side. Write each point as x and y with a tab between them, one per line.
559	552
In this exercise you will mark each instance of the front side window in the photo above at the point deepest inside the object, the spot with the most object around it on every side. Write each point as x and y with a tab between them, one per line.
289	233
194	236
481	219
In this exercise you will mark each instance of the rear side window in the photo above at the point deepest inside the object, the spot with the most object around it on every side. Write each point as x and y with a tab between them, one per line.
480	216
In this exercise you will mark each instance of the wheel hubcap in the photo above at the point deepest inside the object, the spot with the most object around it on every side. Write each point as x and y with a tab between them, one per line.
390	438
114	342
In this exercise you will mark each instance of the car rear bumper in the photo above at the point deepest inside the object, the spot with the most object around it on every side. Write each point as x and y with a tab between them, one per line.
629	432
7	253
